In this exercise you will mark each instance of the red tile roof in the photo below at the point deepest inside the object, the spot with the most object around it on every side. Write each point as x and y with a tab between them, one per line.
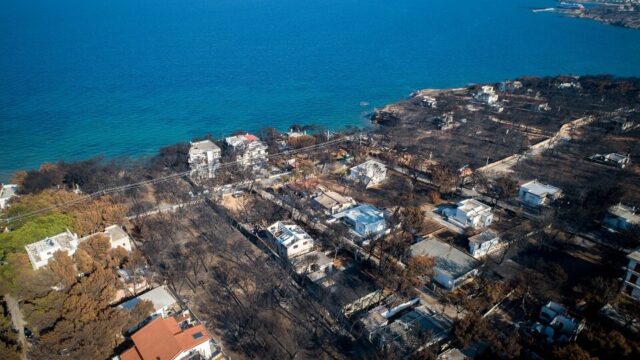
162	339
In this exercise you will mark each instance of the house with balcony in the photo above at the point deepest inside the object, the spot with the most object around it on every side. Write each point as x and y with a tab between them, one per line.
537	194
631	284
248	148
471	213
369	173
289	239
204	157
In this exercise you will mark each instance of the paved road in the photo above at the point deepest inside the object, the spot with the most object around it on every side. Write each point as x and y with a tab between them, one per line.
17	321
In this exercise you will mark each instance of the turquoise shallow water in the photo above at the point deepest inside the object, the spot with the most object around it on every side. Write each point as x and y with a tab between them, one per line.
124	77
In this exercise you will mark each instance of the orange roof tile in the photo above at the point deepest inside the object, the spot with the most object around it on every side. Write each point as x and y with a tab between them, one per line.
162	339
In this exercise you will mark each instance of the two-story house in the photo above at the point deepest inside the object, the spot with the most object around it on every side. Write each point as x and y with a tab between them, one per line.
248	148
536	194
204	157
330	202
484	243
472	213
290	239
365	220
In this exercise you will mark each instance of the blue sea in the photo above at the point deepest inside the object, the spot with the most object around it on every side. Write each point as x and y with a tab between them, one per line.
79	78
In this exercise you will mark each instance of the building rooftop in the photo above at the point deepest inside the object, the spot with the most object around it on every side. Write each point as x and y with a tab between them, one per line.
448	259
66	241
539	189
202	146
365	214
164	339
115	233
470	205
483	237
288	233
634	255
626	212
8	191
160	297
329	199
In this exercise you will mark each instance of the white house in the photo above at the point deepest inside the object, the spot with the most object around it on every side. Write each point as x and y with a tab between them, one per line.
248	148
452	266
369	173
535	193
484	243
290	239
315	265
364	219
472	213
172	338
556	324
621	218
204	156
331	202
42	251
487	95
631	285
7	191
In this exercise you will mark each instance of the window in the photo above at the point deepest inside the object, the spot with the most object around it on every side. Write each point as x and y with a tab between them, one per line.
295	246
633	278
197	335
304	243
637	267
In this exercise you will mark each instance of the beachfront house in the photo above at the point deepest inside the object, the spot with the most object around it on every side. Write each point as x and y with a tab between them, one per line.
487	95
248	148
536	194
452	266
365	220
330	202
369	173
484	243
7	192
471	213
172	338
41	252
289	239
631	284
621	218
204	157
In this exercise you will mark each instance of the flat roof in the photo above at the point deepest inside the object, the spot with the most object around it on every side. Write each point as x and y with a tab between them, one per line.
469	205
449	260
8	191
364	214
626	212
483	237
203	145
539	189
160	297
330	198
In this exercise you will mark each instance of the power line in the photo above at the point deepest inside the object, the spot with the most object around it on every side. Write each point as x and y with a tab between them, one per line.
121	188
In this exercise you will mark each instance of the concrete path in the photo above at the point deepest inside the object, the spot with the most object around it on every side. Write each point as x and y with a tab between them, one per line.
18	322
